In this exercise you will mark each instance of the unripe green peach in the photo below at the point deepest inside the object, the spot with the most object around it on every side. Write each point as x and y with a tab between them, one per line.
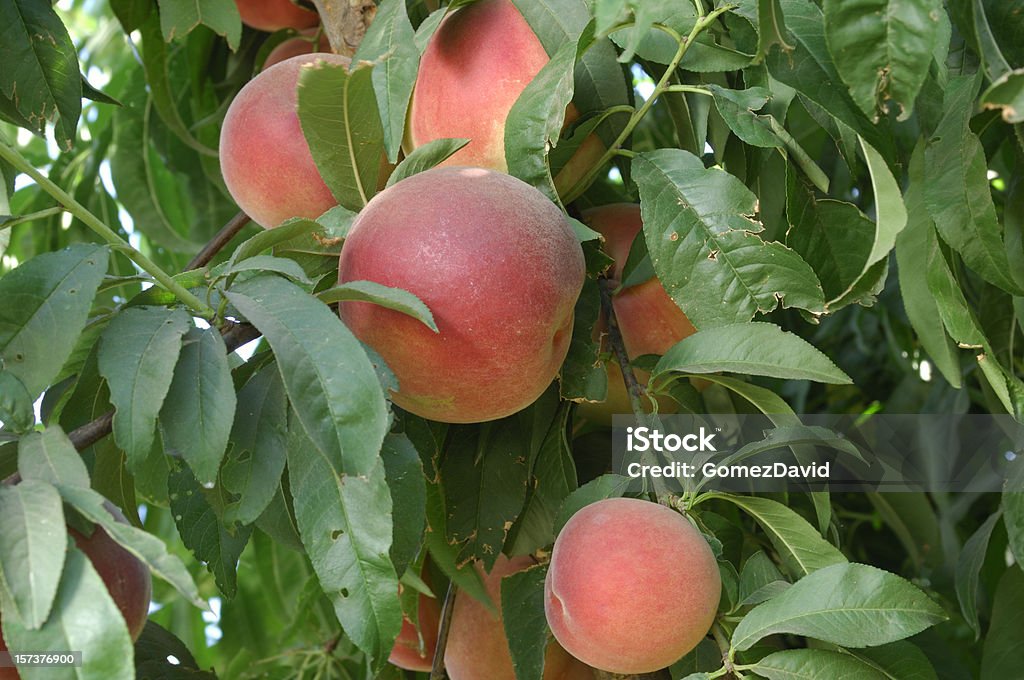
632	586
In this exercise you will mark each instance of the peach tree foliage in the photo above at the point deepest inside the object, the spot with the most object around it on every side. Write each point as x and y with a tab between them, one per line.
832	191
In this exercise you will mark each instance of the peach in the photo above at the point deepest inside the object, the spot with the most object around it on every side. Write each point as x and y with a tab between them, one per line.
500	269
264	158
301	44
273	15
632	586
650	322
474	68
408	653
127	579
477	646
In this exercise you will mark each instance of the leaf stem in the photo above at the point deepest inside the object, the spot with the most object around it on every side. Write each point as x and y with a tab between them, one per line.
21	219
634	389
68	202
662	86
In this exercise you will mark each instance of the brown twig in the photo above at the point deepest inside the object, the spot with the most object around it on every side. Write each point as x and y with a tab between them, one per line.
223	237
635	390
345	22
437	669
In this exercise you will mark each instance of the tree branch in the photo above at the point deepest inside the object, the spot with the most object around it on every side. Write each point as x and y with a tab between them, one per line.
345	22
223	237
636	391
437	669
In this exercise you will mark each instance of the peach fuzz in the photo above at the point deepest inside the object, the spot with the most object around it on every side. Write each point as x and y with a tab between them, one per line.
264	158
477	646
650	322
632	586
474	68
500	269
273	15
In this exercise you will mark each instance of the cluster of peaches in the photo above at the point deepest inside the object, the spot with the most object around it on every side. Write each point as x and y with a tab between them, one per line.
500	268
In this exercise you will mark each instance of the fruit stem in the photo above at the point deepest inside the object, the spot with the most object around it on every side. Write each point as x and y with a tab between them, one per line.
68	202
437	669
663	84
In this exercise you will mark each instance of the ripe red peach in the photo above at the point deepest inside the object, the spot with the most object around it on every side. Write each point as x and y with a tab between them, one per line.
127	579
408	653
474	68
477	645
650	322
500	269
264	158
273	15
301	44
632	586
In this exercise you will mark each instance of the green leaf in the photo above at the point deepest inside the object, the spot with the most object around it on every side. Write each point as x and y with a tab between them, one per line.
882	49
342	502
534	123
968	571
854	605
404	472
425	157
1007	95
956	313
46	304
216	545
1013	509
149	549
485	475
131	13
346	526
605	486
338	112
771	29
800	546
792	664
389	42
268	238
760	580
991	55
393	298
751	349
40	72
197	414
137	355
913	246
179	17
86	619
900	660
705	246
16	412
269	263
154	650
49	456
526	628
737	108
253	466
957	192
810	70
33	542
1003	652
583	373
